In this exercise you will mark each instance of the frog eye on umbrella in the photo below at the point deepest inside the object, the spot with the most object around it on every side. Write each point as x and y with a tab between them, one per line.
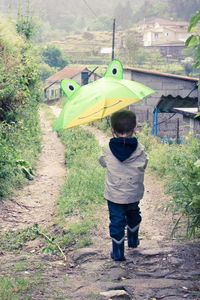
115	70
69	87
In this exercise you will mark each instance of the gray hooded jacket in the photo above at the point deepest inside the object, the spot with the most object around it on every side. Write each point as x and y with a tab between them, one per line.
125	176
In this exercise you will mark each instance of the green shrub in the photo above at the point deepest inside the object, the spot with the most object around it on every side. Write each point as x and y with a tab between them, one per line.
183	183
179	166
20	143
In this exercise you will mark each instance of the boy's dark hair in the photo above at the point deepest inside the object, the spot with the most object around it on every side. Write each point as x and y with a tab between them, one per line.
123	121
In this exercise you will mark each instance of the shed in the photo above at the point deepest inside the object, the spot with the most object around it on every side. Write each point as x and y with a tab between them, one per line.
80	74
192	123
168	86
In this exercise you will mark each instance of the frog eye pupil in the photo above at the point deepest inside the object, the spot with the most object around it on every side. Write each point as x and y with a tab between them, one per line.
114	71
71	87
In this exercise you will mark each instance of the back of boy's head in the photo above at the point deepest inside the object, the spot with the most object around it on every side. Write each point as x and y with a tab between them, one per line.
123	121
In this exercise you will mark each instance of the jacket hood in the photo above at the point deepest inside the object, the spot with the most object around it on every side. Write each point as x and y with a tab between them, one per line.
123	147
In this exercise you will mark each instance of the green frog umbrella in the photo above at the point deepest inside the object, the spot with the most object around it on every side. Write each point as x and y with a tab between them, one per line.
99	98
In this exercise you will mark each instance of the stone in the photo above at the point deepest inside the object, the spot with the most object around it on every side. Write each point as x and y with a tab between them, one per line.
116	294
151	252
116	274
175	261
83	253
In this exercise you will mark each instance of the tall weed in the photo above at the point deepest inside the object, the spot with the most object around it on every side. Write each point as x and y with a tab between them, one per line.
19	142
179	166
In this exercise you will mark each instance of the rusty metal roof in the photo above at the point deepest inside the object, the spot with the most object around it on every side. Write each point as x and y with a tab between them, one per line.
67	72
157	73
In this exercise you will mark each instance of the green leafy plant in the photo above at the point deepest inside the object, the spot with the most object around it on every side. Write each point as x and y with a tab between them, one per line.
52	244
26	168
179	167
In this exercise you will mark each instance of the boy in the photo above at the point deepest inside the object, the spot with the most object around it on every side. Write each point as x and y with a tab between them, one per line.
125	161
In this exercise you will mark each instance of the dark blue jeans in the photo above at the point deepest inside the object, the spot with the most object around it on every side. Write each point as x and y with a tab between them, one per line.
122	215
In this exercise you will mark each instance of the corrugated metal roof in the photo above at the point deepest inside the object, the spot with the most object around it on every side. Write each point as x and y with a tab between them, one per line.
67	72
167	104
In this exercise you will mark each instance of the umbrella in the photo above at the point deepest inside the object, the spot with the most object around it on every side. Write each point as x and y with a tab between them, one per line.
99	98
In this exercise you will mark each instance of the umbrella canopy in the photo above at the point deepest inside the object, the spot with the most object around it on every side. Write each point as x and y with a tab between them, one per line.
100	98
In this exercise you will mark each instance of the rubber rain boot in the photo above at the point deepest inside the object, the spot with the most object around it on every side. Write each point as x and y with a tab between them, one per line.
118	251
133	240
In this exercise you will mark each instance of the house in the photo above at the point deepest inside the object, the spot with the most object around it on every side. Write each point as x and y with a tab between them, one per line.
191	122
173	92
166	35
80	74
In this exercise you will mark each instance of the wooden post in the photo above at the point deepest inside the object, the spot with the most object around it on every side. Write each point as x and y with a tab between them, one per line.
177	131
113	41
147	117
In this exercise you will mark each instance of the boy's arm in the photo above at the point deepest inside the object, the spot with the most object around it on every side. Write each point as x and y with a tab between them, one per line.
146	162
102	161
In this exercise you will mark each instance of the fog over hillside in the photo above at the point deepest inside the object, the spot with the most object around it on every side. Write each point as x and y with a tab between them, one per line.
79	15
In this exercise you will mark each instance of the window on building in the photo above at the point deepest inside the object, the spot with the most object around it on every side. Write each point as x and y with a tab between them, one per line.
84	78
156	35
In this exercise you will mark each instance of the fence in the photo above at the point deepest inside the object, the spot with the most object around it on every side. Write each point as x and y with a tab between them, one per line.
168	125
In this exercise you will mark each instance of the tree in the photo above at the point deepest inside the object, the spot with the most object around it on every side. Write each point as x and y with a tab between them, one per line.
133	45
25	24
103	22
123	15
53	56
183	9
194	40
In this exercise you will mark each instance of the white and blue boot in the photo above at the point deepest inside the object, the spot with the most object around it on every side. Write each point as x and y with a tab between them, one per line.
117	253
132	236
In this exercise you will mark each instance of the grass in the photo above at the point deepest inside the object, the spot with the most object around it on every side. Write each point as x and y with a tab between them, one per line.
15	240
19	283
83	190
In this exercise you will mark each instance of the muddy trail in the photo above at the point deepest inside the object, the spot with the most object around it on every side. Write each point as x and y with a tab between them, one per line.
160	268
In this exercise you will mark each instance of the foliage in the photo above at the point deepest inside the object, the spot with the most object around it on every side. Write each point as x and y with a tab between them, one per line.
18	72
179	166
133	46
84	172
103	22
11	287
19	145
19	96
51	241
123	15
183	182
45	71
183	9
53	56
149	9
194	40
25	24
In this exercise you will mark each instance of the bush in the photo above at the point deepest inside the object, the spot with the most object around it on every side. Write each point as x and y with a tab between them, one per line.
19	146
19	142
179	166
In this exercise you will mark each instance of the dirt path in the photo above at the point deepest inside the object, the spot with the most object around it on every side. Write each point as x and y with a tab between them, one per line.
158	269
35	203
